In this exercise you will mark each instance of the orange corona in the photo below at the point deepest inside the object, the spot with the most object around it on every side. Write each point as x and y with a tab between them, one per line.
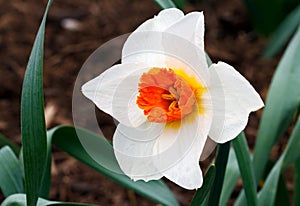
167	95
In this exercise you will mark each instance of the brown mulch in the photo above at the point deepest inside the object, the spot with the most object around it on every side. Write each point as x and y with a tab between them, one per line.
229	38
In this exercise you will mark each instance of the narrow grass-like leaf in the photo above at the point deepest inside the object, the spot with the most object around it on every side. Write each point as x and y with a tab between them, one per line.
179	3
267	195
46	186
231	176
20	200
221	162
5	141
283	33
32	118
292	152
66	139
279	111
266	15
208	59
282	196
11	176
285	83
245	165
297	182
165	4
202	193
205	202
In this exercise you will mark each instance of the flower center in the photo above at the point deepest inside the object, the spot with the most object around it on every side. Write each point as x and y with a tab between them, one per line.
168	95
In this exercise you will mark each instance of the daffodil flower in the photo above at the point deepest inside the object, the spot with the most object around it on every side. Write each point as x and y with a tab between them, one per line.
168	101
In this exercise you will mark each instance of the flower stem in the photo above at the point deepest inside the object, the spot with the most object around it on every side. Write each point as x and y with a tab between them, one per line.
221	162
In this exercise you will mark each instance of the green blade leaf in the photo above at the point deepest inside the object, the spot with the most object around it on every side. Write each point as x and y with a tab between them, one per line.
20	200
245	165
231	177
265	15
165	4
66	139
285	83
297	182
267	195
282	197
221	162
292	152
32	118
283	33
46	186
11	179
179	3
202	193
4	141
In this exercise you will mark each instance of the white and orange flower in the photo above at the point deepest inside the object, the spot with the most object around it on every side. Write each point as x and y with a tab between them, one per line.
168	101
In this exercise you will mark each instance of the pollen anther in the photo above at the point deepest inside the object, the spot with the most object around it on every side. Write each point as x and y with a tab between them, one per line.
166	96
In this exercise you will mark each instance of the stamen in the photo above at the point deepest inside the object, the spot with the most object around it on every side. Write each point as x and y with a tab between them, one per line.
173	91
166	97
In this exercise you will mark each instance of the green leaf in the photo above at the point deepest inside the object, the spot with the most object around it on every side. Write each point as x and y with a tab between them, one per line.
165	4
297	182
20	200
282	197
283	100
208	60
46	186
32	118
66	138
245	165
283	33
221	162
202	193
292	152
179	3
267	195
266	15
231	176
11	179
285	83
5	141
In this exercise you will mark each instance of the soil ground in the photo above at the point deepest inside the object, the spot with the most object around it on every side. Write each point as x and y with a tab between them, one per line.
229	38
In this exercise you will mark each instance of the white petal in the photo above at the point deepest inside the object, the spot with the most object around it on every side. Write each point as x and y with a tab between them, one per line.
165	50
115	92
139	41
179	151
133	148
233	99
153	150
186	173
180	46
191	28
163	20
162	49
